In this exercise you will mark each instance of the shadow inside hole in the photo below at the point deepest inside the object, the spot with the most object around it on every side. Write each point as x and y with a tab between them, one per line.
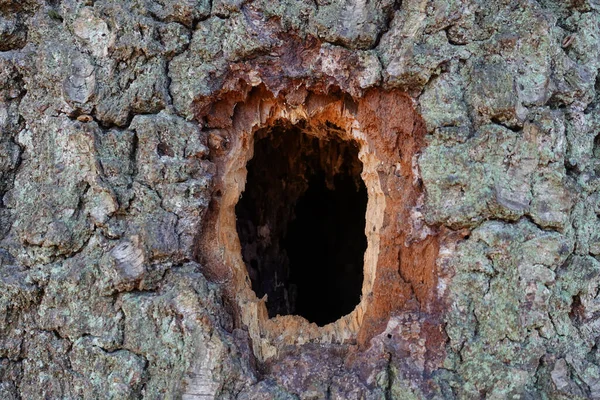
301	224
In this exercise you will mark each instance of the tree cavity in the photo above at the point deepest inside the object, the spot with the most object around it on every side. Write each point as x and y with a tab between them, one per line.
301	223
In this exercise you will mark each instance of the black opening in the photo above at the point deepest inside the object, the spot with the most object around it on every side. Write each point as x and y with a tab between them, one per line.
301	223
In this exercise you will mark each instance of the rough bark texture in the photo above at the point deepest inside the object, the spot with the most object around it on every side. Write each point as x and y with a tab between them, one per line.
117	124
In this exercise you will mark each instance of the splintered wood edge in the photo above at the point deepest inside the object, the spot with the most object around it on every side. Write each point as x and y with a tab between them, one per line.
389	133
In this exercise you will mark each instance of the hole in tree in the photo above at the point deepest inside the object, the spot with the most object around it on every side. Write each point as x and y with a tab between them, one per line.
301	223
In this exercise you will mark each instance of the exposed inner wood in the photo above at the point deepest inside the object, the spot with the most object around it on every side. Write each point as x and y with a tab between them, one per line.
399	262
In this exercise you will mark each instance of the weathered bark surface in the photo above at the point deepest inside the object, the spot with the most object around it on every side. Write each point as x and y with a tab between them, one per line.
120	126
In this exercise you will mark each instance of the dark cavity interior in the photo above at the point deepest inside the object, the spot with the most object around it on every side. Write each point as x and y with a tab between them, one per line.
301	223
